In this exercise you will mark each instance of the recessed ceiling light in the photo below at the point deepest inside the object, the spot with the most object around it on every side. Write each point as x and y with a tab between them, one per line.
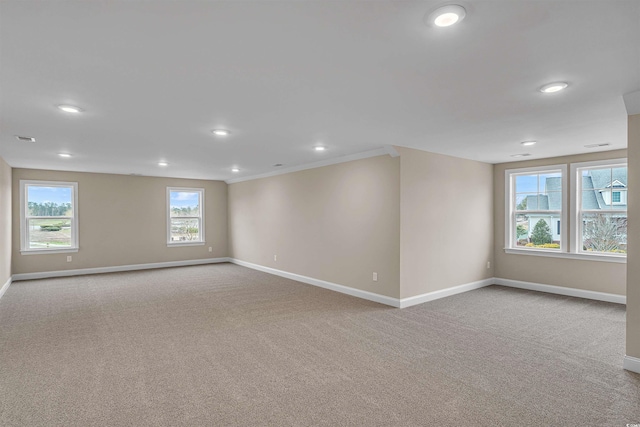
221	132
527	143
25	138
319	148
163	164
553	87
64	154
70	109
521	155
235	170
446	16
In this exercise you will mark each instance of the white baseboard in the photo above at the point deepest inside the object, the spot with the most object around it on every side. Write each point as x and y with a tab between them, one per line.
631	364
430	296
4	287
560	290
382	299
100	270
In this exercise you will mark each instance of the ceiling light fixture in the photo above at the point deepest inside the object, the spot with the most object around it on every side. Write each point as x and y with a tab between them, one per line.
446	16
66	155
521	155
70	109
163	164
221	132
528	143
235	170
25	138
553	87
319	148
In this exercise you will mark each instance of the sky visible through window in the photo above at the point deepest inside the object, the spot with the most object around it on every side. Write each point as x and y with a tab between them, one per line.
181	199
529	183
58	195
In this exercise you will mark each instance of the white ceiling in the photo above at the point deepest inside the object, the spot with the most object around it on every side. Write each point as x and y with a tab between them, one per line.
154	77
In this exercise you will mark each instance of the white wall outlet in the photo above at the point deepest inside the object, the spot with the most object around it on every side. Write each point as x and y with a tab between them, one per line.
275	257
375	276
210	249
69	258
488	264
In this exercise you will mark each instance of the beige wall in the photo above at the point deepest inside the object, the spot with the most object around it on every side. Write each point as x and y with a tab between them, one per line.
337	223
5	222
122	221
633	264
597	276
446	236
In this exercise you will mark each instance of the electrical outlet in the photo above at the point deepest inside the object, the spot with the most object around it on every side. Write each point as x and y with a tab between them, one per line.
275	257
210	249
488	264
69	258
375	276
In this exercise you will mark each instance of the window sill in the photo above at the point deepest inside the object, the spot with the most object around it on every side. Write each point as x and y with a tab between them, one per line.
47	251
621	259
172	244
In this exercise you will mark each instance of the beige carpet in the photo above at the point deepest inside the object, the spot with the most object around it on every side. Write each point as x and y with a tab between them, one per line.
225	345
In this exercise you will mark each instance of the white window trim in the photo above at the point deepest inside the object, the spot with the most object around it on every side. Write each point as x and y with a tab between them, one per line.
24	246
576	230
570	255
509	194
202	240
569	252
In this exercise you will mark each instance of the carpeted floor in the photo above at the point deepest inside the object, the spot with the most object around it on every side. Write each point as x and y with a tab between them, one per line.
224	345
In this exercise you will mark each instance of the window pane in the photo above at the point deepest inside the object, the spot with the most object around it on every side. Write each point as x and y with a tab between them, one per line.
184	203
522	229
604	232
527	183
539	202
538	231
551	201
526	201
541	192
550	181
49	201
49	233
554	200
619	177
604	188
185	229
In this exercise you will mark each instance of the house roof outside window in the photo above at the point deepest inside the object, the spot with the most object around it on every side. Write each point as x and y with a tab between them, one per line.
593	184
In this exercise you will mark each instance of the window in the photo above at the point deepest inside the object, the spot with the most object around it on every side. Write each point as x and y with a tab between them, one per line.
601	207
48	216
616	197
185	219
535	208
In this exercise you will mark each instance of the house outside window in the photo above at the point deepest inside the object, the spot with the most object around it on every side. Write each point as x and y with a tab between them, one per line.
600	212
536	205
48	217
185	216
